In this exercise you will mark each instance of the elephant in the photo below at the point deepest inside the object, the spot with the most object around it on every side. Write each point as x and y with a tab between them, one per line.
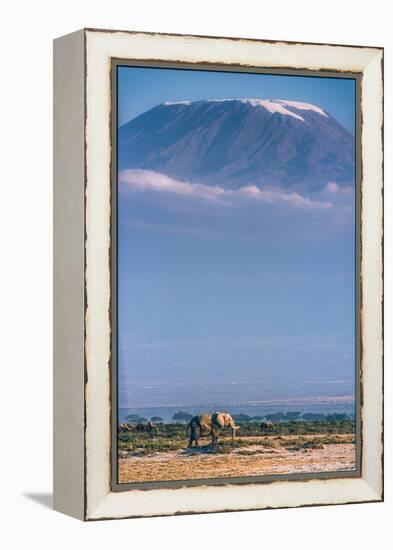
267	426
127	427
205	424
149	427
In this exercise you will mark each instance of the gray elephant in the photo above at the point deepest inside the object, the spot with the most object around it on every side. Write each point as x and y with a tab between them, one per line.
267	426
204	425
126	427
149	428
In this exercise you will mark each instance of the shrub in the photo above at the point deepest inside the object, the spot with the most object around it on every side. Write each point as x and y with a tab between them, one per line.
241	418
182	416
292	415
135	418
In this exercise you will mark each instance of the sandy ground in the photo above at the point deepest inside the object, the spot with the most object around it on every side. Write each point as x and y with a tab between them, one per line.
200	464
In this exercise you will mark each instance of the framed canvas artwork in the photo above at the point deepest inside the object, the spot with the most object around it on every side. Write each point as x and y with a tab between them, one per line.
218	274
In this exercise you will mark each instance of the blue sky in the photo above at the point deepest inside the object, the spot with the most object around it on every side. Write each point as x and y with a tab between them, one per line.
241	300
140	89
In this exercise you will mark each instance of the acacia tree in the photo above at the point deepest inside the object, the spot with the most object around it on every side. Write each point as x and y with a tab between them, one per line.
292	415
313	417
135	418
337	417
182	416
241	417
275	417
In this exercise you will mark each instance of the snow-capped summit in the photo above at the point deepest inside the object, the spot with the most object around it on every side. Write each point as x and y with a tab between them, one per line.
182	102
237	142
302	106
282	106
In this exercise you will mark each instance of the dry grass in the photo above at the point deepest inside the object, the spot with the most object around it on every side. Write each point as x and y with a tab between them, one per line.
283	455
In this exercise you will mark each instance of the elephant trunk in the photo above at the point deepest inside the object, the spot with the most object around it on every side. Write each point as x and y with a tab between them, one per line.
234	428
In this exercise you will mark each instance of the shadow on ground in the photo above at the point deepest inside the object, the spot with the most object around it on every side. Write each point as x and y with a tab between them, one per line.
204	450
44	499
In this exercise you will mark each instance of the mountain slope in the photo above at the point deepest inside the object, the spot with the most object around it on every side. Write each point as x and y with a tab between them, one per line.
240	142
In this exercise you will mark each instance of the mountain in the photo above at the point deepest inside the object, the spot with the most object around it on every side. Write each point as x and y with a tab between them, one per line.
237	142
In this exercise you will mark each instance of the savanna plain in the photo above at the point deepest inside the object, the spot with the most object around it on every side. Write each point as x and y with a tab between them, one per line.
258	450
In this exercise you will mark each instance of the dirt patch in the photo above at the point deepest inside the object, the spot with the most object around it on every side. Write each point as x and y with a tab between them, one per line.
276	457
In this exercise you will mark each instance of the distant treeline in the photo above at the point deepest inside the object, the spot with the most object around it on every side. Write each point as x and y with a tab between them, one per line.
277	417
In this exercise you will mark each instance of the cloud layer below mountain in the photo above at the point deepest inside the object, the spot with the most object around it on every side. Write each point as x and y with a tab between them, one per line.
148	180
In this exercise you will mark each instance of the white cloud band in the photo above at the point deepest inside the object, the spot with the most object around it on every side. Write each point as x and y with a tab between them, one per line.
145	180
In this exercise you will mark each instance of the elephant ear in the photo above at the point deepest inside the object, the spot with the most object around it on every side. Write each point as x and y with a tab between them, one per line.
219	419
229	420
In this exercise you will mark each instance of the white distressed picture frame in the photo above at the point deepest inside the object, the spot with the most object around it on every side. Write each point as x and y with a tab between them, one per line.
82	240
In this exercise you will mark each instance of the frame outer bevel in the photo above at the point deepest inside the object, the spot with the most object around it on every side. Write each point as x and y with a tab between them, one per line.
69	275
